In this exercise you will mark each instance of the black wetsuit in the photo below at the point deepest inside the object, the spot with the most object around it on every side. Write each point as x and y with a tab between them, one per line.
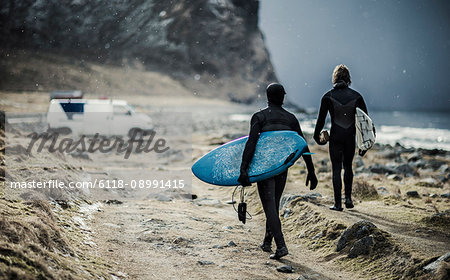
341	102
274	117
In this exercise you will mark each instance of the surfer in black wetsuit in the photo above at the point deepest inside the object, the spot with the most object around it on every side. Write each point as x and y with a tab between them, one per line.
341	102
274	117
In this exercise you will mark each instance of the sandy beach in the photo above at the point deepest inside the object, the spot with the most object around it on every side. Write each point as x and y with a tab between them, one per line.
403	193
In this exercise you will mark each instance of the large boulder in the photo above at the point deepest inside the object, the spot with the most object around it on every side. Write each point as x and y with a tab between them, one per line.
363	238
361	247
357	231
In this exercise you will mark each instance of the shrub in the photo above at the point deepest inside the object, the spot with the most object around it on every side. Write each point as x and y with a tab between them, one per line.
364	191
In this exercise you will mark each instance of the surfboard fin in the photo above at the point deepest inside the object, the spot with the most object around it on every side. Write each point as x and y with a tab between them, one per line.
290	157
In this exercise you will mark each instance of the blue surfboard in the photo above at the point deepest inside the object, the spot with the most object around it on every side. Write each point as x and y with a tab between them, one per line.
275	152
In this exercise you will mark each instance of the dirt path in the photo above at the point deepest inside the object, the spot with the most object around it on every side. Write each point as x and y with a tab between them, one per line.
181	239
188	239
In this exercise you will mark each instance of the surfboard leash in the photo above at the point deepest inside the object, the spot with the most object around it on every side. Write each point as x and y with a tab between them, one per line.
242	206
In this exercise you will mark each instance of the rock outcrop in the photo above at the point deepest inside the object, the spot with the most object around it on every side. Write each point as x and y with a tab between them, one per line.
214	42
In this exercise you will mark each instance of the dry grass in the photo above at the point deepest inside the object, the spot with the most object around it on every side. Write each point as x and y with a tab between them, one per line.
364	190
30	240
40	72
439	221
34	243
30	71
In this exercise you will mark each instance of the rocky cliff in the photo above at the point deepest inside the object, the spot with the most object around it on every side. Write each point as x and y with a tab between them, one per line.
213	46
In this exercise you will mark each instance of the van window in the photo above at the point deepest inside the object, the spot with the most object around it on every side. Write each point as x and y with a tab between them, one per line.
72	108
121	110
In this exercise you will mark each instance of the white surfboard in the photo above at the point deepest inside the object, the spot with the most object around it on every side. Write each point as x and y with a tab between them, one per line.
365	136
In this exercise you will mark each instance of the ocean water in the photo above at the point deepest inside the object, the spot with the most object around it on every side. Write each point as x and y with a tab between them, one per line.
428	130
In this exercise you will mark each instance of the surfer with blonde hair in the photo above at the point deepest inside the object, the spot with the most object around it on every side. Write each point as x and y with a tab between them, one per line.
341	102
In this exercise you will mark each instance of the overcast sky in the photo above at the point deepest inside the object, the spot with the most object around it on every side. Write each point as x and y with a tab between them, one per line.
398	52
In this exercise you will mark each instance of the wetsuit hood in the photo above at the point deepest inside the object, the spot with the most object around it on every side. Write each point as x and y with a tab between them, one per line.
275	94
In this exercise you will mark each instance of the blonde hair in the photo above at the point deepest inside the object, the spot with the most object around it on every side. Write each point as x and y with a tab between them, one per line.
341	73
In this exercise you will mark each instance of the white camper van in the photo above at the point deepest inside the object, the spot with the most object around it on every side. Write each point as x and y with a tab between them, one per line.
91	116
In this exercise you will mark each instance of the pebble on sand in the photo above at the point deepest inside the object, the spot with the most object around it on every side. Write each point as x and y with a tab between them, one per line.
413	194
202	262
180	240
395	177
445	195
285	268
382	191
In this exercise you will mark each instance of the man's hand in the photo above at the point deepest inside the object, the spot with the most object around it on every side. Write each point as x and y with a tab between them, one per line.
311	177
244	180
